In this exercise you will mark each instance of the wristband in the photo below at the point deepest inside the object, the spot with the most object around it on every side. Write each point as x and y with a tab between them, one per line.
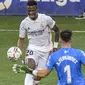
55	45
34	72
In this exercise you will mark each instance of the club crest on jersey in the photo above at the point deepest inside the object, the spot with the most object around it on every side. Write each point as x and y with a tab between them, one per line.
42	25
65	51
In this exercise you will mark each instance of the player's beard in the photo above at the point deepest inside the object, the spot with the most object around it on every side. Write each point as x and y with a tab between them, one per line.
33	17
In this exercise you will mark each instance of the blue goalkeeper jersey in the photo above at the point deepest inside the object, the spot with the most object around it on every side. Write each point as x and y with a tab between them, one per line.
67	62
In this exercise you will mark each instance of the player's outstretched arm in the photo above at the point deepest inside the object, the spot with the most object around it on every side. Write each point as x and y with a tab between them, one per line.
24	69
56	37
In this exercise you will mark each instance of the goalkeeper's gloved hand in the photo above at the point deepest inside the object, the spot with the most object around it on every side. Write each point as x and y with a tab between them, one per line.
21	69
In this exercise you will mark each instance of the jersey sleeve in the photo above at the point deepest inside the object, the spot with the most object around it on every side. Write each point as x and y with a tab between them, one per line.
50	63
22	30
82	57
50	22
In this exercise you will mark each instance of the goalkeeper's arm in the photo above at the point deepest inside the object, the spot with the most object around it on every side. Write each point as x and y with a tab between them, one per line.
25	69
41	73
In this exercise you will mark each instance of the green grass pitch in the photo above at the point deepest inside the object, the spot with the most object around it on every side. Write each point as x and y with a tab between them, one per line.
8	39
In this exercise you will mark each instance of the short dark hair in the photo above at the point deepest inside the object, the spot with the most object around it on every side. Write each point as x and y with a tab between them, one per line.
66	35
31	3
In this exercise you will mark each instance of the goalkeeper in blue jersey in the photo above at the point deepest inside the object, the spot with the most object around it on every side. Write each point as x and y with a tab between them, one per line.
67	61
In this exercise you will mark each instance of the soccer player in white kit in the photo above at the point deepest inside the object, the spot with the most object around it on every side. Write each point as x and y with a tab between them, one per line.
37	27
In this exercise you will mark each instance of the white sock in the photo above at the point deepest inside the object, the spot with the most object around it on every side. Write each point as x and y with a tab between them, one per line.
29	80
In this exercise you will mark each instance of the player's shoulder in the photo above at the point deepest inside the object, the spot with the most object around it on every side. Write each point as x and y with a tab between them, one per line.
75	50
55	53
79	51
71	50
43	15
24	20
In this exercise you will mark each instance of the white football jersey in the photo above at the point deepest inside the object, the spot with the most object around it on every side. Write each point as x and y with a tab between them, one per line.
38	32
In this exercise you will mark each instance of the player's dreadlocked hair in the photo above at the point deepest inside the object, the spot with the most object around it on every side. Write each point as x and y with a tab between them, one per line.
66	35
31	3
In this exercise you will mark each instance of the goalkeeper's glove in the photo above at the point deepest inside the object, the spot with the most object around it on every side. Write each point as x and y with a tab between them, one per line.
21	69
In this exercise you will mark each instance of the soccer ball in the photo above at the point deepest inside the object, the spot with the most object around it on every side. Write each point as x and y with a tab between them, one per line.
14	53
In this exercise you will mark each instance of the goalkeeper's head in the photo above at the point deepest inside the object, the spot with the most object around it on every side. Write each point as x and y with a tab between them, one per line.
66	35
32	9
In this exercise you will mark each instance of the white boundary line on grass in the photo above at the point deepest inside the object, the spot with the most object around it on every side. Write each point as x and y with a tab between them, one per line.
3	30
78	31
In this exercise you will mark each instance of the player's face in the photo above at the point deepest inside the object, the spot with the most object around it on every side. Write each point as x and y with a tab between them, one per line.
32	12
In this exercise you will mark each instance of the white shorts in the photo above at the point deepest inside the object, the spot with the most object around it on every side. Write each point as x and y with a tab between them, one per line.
39	57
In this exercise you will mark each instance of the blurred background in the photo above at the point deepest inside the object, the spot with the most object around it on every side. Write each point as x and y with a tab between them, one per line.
68	14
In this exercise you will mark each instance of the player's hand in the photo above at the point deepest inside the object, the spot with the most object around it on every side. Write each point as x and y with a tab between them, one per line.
21	69
55	49
17	68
